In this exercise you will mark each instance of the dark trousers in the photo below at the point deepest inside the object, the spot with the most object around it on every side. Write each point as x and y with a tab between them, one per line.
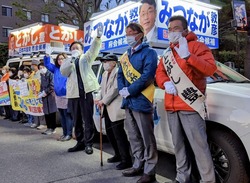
117	137
50	120
7	111
82	113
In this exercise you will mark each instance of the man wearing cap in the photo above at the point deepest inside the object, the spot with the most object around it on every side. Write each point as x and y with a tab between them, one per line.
136	86
110	104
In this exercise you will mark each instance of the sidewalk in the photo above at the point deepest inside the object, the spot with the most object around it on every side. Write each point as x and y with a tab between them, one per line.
27	156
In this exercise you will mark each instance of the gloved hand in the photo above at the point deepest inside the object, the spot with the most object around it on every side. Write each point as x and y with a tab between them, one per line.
40	95
75	53
44	94
124	92
182	51
99	31
48	50
170	88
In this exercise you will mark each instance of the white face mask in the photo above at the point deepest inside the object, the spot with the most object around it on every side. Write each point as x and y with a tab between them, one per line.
131	40
4	71
75	53
44	70
25	75
174	37
20	73
106	66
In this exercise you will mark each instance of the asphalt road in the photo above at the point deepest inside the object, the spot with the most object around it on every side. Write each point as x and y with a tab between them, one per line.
27	156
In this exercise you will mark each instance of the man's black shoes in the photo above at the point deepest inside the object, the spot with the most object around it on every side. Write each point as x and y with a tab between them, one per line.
89	150
131	172
147	179
77	147
114	159
123	165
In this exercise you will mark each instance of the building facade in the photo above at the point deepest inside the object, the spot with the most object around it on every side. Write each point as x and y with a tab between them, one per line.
11	18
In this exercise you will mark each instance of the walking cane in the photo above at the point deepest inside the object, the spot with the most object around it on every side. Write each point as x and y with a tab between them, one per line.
100	108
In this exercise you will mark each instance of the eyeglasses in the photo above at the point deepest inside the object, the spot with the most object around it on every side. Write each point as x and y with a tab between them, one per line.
146	13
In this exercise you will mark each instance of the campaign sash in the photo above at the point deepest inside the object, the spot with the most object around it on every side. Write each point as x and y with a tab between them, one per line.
132	75
186	90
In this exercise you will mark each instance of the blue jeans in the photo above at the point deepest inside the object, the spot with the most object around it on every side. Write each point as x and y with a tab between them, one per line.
30	119
66	122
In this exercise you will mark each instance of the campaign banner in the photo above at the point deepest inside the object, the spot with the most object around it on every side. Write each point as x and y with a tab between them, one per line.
29	40
4	94
202	20
24	96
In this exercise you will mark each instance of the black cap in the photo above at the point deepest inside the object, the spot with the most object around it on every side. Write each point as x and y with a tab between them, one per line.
109	57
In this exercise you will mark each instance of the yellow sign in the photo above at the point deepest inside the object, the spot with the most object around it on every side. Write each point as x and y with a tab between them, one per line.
24	96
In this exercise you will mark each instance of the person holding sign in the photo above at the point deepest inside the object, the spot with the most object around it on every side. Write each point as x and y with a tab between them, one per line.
136	86
182	73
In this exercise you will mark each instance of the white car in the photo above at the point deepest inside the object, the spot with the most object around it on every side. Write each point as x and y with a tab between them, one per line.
228	123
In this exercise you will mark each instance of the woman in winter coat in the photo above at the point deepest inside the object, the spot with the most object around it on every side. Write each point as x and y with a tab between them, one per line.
48	97
60	91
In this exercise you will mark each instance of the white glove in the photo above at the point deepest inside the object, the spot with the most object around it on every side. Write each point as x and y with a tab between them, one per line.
75	53
44	94
182	51
99	31
170	88
48	50
40	94
124	92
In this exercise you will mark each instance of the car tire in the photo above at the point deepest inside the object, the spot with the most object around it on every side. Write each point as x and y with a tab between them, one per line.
229	157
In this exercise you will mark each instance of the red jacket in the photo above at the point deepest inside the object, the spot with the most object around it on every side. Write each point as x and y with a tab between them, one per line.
199	65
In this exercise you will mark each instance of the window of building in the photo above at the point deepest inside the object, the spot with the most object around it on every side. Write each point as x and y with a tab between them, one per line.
7	11
6	31
76	22
45	18
28	14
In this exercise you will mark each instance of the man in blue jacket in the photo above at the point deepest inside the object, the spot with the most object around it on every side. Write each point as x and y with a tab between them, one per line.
136	86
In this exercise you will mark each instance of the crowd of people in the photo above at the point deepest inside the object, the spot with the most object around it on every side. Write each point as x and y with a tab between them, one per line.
125	99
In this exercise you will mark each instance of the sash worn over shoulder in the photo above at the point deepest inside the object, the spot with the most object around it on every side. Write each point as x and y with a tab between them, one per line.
186	90
132	75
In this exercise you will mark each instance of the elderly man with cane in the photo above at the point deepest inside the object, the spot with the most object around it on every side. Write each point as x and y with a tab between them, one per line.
110	103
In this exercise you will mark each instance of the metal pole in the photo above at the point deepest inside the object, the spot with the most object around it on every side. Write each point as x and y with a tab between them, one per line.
237	50
101	136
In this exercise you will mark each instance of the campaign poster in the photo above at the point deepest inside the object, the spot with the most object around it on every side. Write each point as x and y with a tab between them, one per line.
4	94
24	96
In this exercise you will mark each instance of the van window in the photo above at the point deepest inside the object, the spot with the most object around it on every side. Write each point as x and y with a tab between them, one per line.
14	64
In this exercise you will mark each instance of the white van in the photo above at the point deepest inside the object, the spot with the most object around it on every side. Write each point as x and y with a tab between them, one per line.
228	123
25	60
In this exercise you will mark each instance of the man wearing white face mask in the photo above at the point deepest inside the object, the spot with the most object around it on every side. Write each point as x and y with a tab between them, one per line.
110	103
182	73
136	86
81	83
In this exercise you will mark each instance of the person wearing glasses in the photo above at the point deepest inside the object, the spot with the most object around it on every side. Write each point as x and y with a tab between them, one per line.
147	18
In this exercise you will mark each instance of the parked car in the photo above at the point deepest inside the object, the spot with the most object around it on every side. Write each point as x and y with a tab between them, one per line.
228	123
